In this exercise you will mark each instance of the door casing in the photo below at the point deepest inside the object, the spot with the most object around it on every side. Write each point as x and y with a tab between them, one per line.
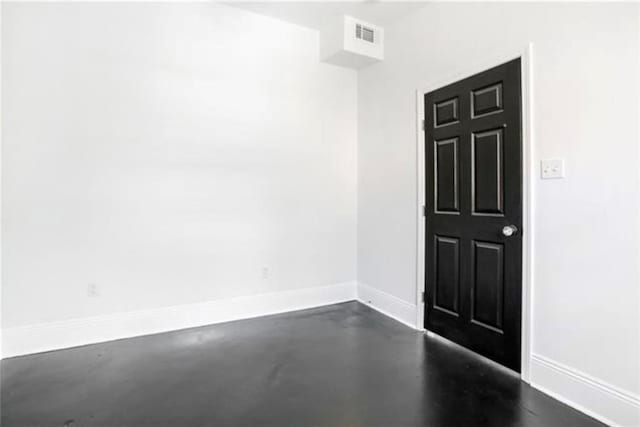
528	171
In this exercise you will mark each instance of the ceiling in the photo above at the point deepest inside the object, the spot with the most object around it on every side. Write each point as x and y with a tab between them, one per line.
315	14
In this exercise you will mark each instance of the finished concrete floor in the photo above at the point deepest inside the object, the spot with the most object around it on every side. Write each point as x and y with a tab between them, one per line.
338	366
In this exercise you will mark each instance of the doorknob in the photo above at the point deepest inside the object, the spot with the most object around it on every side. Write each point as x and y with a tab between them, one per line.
509	230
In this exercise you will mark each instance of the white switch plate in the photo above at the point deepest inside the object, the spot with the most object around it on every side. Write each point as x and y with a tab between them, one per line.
552	168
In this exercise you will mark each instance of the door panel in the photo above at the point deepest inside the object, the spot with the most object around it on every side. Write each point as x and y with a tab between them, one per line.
446	175
487	286
446	295
486	165
474	189
486	100
445	112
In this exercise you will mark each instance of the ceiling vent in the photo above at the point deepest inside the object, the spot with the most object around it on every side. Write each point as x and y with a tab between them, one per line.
352	43
364	33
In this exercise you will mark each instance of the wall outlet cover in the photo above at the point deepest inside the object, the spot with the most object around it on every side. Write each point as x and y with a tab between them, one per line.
92	290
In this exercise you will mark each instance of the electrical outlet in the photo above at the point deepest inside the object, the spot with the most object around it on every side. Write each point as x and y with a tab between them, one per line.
265	273
92	290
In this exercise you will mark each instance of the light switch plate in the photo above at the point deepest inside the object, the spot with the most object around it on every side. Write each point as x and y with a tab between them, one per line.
552	168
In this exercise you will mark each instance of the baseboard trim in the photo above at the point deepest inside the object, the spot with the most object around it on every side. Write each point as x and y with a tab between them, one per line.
387	304
39	338
602	401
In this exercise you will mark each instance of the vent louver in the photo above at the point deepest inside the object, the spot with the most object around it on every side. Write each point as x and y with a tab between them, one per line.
364	33
351	42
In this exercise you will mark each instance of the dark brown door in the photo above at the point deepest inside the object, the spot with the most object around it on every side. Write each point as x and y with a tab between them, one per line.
474	213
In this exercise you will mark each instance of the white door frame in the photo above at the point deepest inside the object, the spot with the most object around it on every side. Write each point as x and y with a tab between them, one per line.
526	58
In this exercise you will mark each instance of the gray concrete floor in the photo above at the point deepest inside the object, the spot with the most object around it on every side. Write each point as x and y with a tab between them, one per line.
338	366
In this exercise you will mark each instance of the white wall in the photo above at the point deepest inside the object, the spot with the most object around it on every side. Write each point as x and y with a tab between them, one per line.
586	84
167	153
1	184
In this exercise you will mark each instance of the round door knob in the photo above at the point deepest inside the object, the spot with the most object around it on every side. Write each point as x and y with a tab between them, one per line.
509	230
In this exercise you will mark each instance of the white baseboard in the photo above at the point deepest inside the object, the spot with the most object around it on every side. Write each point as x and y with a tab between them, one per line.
387	304
594	397
72	333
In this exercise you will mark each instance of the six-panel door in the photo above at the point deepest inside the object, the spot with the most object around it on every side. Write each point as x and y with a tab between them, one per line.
474	189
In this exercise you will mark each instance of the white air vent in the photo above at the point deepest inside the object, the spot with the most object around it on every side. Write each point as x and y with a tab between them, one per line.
350	42
364	33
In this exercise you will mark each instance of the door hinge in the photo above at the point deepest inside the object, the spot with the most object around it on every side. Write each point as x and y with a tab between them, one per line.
424	125
423	297
424	210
